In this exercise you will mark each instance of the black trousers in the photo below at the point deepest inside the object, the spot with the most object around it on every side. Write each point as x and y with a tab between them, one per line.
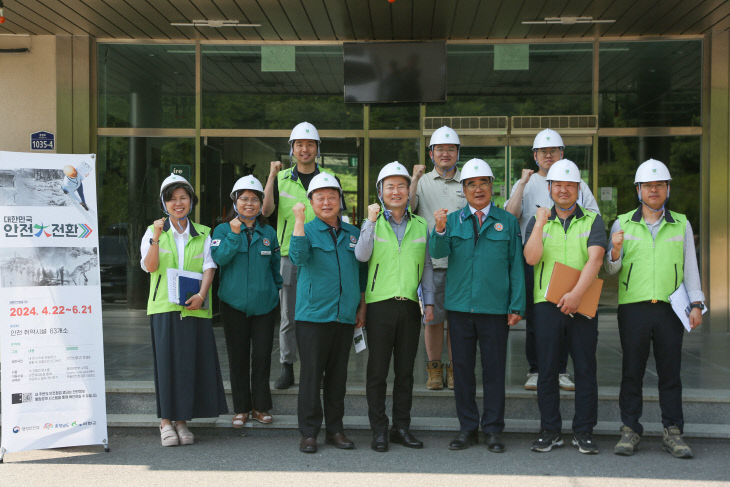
324	350
490	331
393	330
640	325
249	340
530	346
552	330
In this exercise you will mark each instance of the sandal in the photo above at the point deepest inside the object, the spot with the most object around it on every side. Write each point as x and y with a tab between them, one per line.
262	416
186	436
168	436
239	420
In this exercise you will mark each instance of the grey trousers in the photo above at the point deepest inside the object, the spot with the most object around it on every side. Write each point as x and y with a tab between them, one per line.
287	299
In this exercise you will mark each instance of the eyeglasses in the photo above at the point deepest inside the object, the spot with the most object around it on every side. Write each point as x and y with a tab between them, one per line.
247	200
544	152
474	185
654	186
444	150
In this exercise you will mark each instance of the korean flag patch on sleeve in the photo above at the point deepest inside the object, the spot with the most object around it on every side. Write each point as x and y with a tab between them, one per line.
215	243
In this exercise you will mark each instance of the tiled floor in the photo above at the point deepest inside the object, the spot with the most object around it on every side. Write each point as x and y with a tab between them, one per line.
705	357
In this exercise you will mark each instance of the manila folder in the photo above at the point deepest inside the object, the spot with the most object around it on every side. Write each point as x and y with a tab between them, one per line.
563	279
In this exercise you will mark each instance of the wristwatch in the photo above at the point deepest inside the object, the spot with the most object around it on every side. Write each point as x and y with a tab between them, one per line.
154	242
699	306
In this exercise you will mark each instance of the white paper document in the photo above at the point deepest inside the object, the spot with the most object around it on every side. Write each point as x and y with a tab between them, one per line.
679	300
359	340
173	276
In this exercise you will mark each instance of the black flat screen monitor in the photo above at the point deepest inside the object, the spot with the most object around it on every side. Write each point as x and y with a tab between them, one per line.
393	72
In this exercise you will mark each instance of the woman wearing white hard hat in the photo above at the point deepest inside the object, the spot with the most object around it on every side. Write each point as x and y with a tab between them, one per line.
394	243
574	236
529	193
439	188
247	251
188	380
652	249
485	295
330	303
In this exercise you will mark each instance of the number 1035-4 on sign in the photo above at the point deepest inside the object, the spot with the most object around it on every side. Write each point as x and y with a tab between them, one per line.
51	310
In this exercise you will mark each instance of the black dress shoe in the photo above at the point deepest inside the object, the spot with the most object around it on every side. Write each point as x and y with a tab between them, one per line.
494	442
380	441
340	441
464	440
308	444
405	438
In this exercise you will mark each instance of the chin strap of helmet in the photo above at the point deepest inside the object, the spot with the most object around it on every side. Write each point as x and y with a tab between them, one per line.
386	212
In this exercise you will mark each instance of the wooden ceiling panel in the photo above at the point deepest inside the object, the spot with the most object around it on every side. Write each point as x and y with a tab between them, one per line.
505	18
320	20
360	19
339	17
443	16
714	12
279	21
299	18
381	18
423	19
231	11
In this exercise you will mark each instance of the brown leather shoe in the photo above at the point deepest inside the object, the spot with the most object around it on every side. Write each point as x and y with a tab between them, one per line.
340	441
308	444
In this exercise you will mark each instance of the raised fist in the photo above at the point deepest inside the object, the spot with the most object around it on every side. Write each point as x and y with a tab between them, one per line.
440	217
373	211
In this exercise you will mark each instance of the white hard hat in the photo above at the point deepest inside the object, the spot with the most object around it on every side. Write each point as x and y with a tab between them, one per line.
563	170
394	168
304	131
323	180
652	170
174	178
547	138
444	135
247	182
476	168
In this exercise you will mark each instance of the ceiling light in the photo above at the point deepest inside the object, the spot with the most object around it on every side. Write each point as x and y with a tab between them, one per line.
567	21
213	23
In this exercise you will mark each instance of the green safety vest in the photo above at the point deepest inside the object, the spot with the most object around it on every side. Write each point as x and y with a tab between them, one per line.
395	270
651	268
291	192
193	261
569	248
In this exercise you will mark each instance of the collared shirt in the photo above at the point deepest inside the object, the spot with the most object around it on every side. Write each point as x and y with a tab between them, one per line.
484	210
691	271
364	250
435	192
536	194
180	240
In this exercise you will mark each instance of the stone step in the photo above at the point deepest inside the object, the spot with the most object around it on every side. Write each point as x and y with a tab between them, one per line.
704	410
289	422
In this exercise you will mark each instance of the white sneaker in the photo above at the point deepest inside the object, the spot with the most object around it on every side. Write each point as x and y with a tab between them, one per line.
565	383
531	384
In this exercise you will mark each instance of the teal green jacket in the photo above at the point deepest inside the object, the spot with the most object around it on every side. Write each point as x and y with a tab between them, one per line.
485	274
329	277
249	275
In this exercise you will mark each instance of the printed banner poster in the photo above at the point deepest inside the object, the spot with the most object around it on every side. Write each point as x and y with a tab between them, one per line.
52	355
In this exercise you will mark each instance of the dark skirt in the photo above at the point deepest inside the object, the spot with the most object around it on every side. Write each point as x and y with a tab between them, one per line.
188	381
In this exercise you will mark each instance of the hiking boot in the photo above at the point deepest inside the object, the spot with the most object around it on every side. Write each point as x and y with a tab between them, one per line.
449	375
629	442
286	378
583	441
674	444
546	441
435	379
565	383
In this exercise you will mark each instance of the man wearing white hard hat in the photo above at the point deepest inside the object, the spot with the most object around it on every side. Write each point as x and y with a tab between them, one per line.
284	189
485	295
440	188
394	243
527	194
574	236
330	304
652	249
